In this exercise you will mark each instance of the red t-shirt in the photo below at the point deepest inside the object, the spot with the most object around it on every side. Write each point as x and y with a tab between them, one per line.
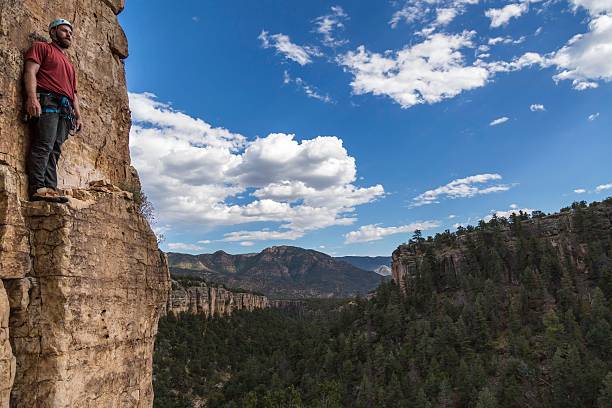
56	73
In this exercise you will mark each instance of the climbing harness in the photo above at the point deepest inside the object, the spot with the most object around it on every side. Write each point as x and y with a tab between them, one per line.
51	102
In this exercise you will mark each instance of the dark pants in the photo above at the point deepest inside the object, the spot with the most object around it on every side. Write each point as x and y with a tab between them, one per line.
50	131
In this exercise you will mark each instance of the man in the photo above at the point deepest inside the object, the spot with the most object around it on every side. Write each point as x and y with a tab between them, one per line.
52	103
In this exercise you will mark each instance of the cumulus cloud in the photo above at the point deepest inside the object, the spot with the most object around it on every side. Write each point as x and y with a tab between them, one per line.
194	172
263	235
502	16
603	187
593	116
462	188
283	45
181	246
585	59
328	24
445	15
536	107
580	191
594	7
588	56
375	232
498	121
426	72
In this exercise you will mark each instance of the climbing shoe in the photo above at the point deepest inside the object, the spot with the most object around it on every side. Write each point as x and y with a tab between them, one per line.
48	194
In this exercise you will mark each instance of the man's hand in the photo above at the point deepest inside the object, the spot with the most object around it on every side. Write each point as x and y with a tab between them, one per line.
78	123
33	107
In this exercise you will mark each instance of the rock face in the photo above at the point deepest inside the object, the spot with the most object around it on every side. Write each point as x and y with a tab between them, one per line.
278	272
199	297
575	237
82	285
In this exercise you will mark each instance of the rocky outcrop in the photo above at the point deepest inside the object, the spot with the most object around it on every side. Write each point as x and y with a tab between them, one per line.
82	285
101	150
569	236
197	297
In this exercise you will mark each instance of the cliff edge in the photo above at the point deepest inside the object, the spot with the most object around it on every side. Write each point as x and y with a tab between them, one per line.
82	285
576	240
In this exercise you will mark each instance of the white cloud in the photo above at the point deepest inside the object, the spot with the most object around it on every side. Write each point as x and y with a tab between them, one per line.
461	188
327	24
438	13
499	121
309	90
536	107
594	7
283	45
586	57
375	232
583	60
181	246
445	15
583	85
204	241
603	187
195	19
508	213
426	72
580	191
451	216
593	116
193	173
506	40
247	243
502	16
410	12
263	235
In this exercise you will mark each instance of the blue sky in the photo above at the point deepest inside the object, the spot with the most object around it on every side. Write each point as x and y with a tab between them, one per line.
344	126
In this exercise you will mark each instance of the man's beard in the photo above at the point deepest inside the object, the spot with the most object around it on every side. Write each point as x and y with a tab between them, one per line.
63	43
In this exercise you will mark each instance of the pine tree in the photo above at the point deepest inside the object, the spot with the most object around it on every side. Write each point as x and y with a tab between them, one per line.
486	399
421	400
605	393
445	396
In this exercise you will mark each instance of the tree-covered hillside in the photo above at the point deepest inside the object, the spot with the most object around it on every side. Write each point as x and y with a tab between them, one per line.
539	339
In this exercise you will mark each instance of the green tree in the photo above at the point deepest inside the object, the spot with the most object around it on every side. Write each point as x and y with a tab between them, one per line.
605	393
486	399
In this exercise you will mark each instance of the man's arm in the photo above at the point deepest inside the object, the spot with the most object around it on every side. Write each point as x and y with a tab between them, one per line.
29	78
77	113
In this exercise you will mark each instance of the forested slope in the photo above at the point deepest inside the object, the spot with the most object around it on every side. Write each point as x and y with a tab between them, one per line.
539	339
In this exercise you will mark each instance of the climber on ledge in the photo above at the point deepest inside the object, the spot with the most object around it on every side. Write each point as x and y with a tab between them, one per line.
52	104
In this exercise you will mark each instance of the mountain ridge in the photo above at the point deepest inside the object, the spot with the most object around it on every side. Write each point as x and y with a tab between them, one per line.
278	271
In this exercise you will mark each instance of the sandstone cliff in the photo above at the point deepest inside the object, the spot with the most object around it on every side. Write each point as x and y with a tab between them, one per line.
199	297
82	285
579	238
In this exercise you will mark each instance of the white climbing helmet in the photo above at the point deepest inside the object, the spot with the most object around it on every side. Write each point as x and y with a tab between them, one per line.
58	22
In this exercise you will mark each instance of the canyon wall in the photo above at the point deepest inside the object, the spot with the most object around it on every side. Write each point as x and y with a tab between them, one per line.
82	285
199	297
